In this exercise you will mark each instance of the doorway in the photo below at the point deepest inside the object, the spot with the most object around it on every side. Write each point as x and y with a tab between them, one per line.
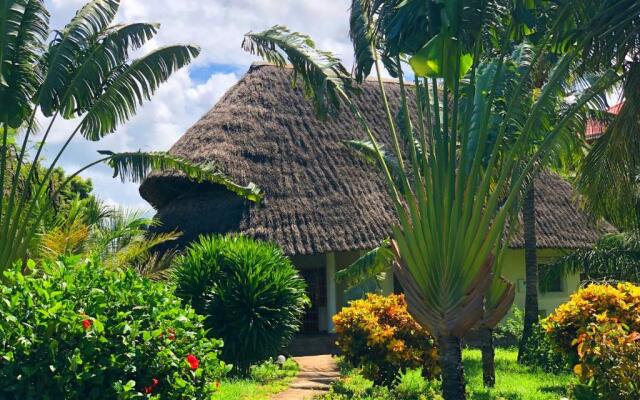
317	291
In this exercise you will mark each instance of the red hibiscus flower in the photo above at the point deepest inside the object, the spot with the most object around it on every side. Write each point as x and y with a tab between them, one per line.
193	361
149	389
172	334
86	324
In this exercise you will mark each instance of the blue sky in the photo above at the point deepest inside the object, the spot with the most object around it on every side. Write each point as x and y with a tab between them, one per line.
217	26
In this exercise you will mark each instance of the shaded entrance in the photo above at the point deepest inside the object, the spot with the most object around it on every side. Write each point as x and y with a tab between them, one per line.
317	291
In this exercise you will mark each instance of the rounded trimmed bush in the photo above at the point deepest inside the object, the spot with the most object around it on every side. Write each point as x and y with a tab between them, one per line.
250	292
378	335
76	330
598	329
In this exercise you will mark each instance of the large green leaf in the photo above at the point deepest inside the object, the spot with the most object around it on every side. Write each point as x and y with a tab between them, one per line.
440	57
323	76
91	77
69	44
130	85
135	166
368	266
24	26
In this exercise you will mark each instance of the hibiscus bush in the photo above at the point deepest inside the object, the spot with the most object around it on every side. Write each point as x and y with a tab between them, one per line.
599	331
377	335
75	330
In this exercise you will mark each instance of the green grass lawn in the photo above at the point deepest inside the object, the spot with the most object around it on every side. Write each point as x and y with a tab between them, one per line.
249	390
513	382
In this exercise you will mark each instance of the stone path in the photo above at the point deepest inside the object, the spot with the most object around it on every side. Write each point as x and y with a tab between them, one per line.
315	377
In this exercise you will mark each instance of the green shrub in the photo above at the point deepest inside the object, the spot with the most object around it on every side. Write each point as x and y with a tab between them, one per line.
510	331
411	385
250	292
598	329
540	352
354	386
408	385
269	371
378	335
77	331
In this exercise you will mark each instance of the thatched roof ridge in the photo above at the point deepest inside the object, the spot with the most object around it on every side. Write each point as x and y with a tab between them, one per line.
319	196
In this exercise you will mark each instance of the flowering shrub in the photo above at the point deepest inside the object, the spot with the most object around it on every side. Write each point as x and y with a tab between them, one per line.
599	330
76	330
378	335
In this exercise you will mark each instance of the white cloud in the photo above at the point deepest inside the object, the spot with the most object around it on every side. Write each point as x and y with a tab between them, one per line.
217	26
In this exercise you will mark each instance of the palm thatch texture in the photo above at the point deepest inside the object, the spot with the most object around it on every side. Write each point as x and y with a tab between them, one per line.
85	72
461	165
320	193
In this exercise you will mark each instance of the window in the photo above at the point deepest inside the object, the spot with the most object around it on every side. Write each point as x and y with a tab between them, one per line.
550	280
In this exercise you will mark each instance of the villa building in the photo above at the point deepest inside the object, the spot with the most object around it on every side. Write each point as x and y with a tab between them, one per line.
323	205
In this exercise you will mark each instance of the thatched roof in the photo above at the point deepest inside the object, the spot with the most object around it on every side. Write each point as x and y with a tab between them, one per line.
319	196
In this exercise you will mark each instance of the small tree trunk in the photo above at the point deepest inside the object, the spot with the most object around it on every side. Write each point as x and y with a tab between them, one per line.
488	357
531	268
453	387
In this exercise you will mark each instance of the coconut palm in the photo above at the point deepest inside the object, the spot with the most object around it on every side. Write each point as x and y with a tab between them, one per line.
473	84
608	172
615	257
84	73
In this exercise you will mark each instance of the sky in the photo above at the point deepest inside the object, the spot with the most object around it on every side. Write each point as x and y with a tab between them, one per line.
217	26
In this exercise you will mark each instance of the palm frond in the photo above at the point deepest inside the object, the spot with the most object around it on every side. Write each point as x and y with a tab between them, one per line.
91	77
362	34
614	257
609	176
158	266
130	86
370	265
138	252
323	76
135	166
63	240
69	44
26	25
365	150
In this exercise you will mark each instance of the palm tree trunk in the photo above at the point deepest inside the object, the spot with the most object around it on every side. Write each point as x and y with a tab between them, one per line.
531	268
453	387
488	357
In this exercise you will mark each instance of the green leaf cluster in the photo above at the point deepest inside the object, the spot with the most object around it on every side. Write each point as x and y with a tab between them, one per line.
76	330
249	290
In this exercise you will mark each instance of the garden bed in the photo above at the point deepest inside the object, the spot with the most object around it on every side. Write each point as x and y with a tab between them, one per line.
513	382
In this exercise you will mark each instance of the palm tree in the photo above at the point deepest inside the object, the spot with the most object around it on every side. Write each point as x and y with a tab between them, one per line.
454	172
116	237
609	170
615	257
84	73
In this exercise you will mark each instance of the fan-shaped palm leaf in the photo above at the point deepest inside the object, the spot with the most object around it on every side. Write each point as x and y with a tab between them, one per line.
322	74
